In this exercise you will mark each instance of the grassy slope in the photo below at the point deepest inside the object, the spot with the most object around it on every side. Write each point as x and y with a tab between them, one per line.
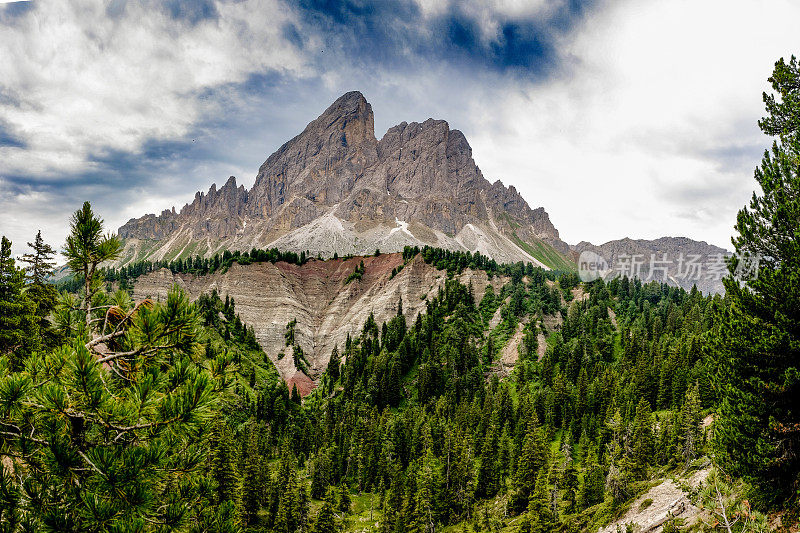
545	253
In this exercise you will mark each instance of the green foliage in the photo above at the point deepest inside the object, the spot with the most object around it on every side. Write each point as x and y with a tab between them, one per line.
758	337
95	447
725	500
86	249
326	520
782	118
44	295
40	262
640	450
418	413
201	265
357	274
19	324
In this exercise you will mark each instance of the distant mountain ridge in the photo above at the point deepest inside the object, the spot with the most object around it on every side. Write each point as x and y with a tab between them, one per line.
677	261
336	188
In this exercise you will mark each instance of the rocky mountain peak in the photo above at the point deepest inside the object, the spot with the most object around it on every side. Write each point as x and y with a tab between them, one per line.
335	188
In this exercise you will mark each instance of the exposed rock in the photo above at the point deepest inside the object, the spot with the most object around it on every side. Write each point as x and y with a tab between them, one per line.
303	383
268	296
674	253
667	500
336	188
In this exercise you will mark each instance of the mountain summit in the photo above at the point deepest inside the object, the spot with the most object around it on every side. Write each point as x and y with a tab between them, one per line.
336	188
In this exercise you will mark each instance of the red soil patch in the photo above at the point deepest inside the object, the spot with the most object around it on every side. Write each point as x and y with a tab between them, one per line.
303	383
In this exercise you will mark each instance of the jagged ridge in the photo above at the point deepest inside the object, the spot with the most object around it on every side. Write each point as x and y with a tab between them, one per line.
336	188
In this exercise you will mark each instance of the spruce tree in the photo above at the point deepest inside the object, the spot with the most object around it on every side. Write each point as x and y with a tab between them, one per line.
592	487
334	364
570	483
690	431
253	487
40	268
540	517
223	463
531	461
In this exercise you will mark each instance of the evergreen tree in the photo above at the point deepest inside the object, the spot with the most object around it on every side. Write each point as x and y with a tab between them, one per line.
19	329
758	338
540	517
344	498
86	249
40	262
253	486
531	461
570	484
783	119
224	463
119	436
334	364
690	431
639	450
40	268
326	520
592	487
321	474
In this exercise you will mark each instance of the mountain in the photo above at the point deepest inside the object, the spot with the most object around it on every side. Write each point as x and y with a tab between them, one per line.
678	261
336	188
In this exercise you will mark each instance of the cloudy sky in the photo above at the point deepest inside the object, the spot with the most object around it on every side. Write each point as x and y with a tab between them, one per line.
622	118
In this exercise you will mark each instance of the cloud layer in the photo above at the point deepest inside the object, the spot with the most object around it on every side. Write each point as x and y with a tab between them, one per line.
621	118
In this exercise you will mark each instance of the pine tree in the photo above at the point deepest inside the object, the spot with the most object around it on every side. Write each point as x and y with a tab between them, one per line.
334	364
758	337
321	474
531	461
86	249
344	498
40	262
570	484
639	450
253	487
19	331
592	487
690	432
540	517
487	479
223	463
122	443
39	269
326	520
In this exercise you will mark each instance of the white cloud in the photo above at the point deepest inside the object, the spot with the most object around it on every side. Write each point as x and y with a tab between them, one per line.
637	137
629	141
77	81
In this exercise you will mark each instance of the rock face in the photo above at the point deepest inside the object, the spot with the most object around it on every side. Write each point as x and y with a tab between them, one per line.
268	296
678	261
336	188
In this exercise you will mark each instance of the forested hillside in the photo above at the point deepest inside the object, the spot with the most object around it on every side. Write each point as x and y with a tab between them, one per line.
549	404
414	421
